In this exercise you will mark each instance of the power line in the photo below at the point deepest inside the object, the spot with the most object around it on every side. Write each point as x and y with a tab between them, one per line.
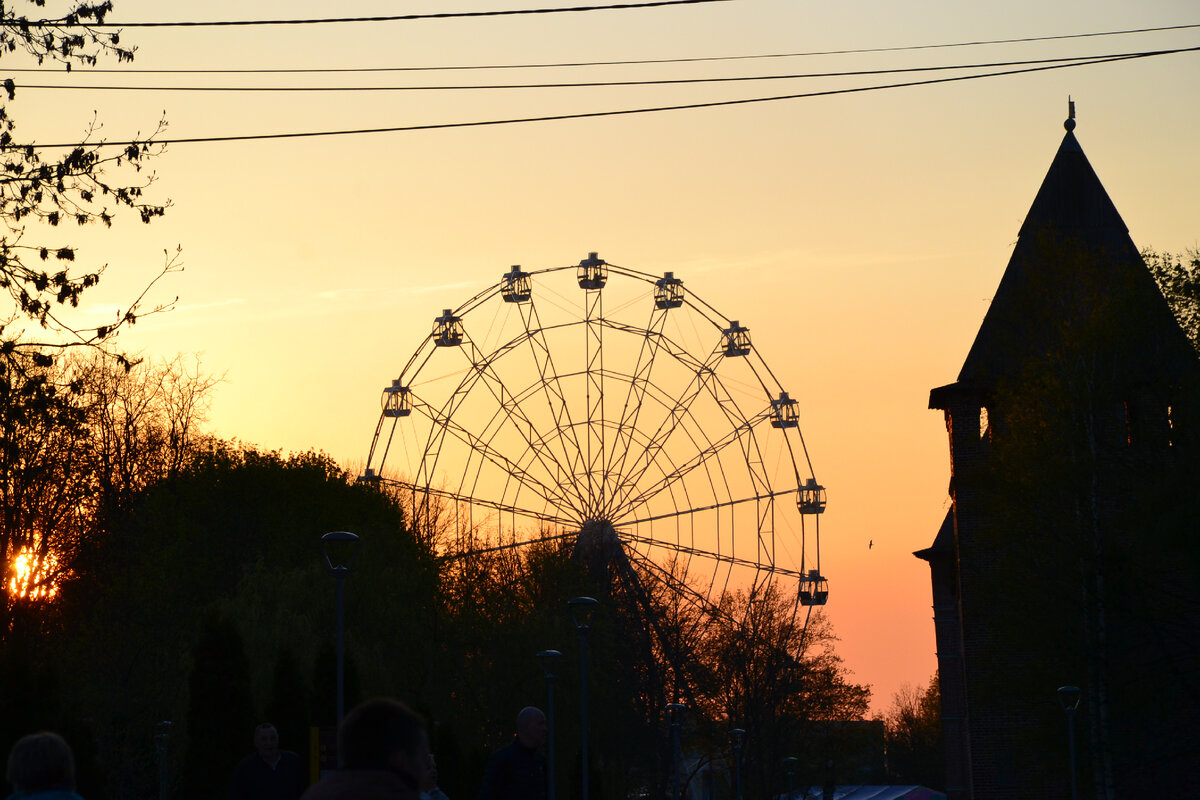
590	84
392	18
619	112
448	67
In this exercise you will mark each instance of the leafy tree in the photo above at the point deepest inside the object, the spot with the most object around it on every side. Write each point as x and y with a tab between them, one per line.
71	461
914	736
235	533
220	719
87	184
287	708
46	492
1178	276
42	402
778	679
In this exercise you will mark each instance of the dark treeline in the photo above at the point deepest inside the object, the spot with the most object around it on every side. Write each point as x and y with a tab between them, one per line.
170	576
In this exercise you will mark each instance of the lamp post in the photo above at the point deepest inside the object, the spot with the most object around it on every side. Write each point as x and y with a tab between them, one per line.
1068	698
582	609
340	540
675	711
162	741
789	767
737	738
549	659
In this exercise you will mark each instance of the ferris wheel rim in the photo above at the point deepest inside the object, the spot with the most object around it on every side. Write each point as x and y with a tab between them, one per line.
442	419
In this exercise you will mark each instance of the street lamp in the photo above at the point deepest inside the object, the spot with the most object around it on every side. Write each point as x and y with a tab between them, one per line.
345	542
1068	698
162	742
789	766
582	609
737	739
675	711
549	659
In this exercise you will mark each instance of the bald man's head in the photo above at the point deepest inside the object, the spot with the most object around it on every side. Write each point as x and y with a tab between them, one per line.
531	727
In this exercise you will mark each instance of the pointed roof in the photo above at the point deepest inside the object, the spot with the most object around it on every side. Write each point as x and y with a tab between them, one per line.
1075	279
943	543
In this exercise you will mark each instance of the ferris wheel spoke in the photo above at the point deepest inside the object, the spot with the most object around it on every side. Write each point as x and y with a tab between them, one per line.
516	417
638	383
723	558
636	498
654	631
675	414
704	378
708	607
699	442
594	398
553	390
447	426
701	509
465	499
482	369
514	545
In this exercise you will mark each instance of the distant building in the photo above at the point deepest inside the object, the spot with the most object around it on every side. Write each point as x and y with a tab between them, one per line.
1071	551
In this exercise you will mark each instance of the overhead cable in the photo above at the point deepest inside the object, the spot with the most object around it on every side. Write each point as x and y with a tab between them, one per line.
614	113
226	23
549	65
590	84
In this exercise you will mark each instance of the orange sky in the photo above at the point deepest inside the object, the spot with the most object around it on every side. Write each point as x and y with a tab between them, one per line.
859	236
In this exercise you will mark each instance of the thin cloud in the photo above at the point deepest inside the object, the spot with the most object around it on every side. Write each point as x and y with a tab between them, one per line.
373	291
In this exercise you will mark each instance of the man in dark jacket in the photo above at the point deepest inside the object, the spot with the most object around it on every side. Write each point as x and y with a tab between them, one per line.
269	773
518	771
385	750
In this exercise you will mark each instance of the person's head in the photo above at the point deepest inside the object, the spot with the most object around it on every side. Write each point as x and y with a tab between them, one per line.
266	741
531	727
41	761
385	734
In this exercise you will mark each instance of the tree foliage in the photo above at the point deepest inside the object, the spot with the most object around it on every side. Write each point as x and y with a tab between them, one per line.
1178	275
914	736
69	459
772	670
233	534
43	189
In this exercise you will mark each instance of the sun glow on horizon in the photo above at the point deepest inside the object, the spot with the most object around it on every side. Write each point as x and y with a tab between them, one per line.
29	576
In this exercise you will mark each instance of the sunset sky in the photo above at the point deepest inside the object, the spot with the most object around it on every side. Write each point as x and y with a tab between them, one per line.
860	236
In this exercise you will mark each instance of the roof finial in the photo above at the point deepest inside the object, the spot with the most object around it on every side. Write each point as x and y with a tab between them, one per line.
1070	123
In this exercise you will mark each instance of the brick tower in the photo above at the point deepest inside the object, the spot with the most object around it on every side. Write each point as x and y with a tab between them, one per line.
1070	555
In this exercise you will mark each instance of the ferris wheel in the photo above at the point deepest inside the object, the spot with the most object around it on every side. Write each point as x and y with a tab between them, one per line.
616	410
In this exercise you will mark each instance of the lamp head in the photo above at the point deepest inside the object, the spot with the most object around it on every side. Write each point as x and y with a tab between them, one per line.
790	764
582	609
338	544
1068	697
549	660
737	738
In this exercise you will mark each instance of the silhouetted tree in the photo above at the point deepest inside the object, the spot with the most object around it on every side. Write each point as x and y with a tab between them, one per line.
1178	275
220	718
287	708
236	533
777	678
914	736
70	461
84	184
44	188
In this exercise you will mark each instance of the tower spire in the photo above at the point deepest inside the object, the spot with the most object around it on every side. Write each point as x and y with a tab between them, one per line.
1070	122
